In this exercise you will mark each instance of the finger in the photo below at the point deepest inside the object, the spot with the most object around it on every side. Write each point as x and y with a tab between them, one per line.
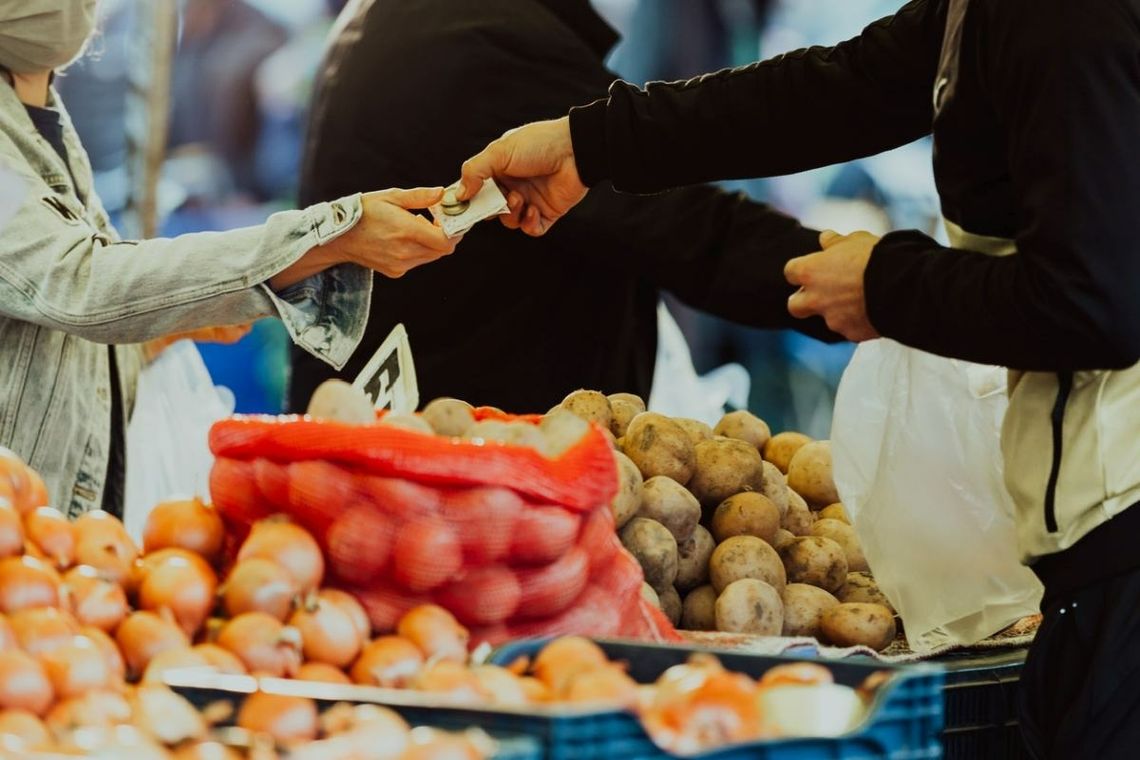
794	270
479	168
827	238
532	223
415	198
800	305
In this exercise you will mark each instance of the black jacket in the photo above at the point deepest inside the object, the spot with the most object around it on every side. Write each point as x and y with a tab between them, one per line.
409	92
1035	141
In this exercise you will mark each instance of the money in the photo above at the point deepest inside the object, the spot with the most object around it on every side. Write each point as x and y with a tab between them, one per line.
456	217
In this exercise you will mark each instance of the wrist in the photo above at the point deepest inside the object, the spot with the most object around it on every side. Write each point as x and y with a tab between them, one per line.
588	140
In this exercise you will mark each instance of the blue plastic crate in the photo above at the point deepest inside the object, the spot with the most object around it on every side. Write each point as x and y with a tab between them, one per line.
904	722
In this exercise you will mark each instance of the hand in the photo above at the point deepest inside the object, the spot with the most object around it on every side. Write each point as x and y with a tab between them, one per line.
831	284
535	164
388	239
225	335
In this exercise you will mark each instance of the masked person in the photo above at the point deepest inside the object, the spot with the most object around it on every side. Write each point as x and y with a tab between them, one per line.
1035	113
76	302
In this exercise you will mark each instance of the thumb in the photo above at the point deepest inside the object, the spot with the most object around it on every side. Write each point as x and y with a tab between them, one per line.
828	238
479	168
415	198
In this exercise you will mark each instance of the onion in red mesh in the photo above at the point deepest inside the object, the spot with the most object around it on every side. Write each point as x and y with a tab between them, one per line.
359	543
427	555
235	493
290	546
484	520
549	590
483	596
542	534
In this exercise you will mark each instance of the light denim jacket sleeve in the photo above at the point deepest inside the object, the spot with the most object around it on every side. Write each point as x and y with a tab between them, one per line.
59	271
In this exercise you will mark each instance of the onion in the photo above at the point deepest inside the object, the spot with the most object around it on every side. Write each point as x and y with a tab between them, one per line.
319	671
436	632
453	680
42	629
328	633
23	684
77	668
189	525
103	543
389	661
263	644
430	744
183	584
26	582
352	606
53	533
26	727
95	709
13	481
172	659
259	585
288	545
288	720
166	716
11	531
504	687
206	751
143	635
221	660
110	650
36	493
7	635
95	601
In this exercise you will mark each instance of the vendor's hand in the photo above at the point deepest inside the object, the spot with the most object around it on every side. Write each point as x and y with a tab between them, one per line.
224	335
535	165
831	284
388	239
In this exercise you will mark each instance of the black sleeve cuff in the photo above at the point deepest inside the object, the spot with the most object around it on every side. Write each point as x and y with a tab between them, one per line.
884	281
588	133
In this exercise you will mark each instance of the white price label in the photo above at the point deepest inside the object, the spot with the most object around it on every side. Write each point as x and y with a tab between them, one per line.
389	378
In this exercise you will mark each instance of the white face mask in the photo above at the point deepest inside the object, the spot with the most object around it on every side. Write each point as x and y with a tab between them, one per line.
40	35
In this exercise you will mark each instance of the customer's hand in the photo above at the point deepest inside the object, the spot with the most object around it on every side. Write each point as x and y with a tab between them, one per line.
535	164
224	335
388	239
831	284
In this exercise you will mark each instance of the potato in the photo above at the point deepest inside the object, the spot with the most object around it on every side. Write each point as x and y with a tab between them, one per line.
449	416
528	435
804	607
489	430
563	430
809	474
782	539
844	535
697	430
744	426
725	468
407	422
694	555
623	414
628	398
746	557
671	604
862	587
815	560
746	514
659	446
698	613
835	512
782	447
798	519
670	503
591	406
776	487
337	400
750	606
628	498
654	548
649	595
854	624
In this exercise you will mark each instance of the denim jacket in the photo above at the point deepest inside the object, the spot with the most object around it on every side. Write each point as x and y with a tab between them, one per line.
71	291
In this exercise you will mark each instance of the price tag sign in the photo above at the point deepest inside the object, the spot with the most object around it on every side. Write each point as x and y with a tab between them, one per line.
389	378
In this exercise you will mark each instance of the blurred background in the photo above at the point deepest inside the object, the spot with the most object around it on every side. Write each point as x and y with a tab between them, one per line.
240	84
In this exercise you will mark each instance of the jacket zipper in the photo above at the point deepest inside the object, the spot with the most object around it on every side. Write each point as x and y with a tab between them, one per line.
1064	389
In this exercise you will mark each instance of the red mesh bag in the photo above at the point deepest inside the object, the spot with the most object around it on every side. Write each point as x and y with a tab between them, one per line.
514	543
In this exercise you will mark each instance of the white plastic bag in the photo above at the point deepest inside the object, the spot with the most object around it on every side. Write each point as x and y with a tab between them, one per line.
168	452
678	391
917	458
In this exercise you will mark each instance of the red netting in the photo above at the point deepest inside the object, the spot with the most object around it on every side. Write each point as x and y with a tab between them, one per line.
512	542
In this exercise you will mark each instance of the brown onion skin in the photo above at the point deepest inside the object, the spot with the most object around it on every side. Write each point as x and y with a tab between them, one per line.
352	606
257	584
26	582
328	633
323	672
115	662
388	661
187	524
41	629
95	601
100	709
11	531
24	684
105	546
143	635
262	643
182	584
290	546
222	660
289	720
53	533
77	668
7	635
26	726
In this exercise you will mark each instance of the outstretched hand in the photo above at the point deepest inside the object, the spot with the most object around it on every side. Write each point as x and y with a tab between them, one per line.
831	284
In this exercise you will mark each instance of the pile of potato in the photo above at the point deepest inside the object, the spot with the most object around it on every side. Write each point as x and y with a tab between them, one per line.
736	529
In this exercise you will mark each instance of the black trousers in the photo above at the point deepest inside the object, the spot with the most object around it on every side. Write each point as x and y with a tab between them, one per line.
1080	689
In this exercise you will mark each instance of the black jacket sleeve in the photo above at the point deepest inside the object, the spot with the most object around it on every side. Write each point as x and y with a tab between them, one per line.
1066	89
798	111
